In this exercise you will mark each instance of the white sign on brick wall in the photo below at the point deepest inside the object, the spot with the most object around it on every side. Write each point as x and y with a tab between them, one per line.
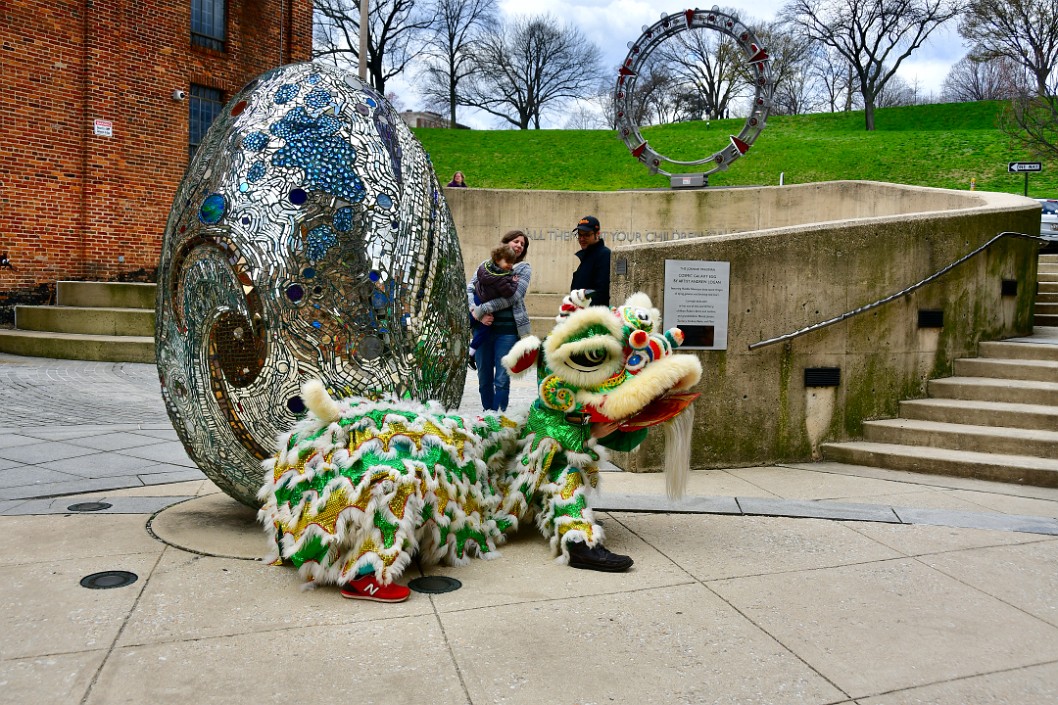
104	128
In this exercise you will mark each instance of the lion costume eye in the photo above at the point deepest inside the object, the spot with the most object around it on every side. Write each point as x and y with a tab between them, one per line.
588	360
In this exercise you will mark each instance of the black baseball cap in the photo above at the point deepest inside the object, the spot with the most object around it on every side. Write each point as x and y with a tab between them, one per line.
588	223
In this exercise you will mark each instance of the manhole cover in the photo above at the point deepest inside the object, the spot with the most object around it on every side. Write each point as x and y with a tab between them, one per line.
89	507
435	584
108	579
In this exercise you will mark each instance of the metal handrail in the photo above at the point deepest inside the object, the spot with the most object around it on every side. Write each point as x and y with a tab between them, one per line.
863	309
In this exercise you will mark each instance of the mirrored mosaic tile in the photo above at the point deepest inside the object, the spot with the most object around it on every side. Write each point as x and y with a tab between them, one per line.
308	239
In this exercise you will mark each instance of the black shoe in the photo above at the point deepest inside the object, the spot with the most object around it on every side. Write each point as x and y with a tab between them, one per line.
597	558
471	362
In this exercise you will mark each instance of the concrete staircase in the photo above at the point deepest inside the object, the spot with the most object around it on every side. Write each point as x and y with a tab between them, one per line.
114	322
1047	294
106	321
542	309
996	419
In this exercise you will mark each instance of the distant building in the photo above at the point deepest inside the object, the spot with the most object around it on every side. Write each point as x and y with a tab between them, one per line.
103	103
425	118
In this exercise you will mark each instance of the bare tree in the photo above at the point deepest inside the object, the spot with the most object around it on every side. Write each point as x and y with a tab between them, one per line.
1024	31
1032	122
872	36
896	93
654	93
838	81
527	64
395	35
585	117
796	87
457	24
336	32
970	80
711	62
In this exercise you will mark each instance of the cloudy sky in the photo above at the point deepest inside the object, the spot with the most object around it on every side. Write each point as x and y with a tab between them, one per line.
611	24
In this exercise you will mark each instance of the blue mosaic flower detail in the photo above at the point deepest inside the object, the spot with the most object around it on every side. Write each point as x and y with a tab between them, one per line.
319	241
314	145
343	219
255	141
286	93
212	209
313	79
318	99
384	201
256	172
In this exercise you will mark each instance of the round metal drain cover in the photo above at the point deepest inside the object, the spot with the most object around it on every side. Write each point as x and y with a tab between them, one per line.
435	584
89	507
108	579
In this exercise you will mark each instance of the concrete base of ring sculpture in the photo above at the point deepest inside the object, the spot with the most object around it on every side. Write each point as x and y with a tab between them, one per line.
308	240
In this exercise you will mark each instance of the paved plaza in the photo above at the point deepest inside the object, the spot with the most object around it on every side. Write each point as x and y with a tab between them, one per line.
803	583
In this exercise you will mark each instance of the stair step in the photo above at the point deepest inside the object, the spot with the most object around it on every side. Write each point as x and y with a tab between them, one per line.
73	346
1043	319
982	413
543	304
997	368
86	320
1015	391
1018	351
963	436
105	294
1048	287
1021	469
540	326
1046	307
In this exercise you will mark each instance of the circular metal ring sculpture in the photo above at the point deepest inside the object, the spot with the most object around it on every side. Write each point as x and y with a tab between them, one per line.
654	36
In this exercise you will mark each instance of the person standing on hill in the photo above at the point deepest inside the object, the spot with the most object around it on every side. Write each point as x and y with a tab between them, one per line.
594	270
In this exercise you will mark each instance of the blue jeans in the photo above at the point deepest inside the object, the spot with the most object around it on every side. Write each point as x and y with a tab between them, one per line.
494	384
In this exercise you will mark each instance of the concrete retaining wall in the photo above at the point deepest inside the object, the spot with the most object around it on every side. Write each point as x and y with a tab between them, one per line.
798	255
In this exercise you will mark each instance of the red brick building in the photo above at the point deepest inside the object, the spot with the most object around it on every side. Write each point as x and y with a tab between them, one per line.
100	104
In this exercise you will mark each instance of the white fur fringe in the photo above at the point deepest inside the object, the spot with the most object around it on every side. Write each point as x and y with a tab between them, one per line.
678	433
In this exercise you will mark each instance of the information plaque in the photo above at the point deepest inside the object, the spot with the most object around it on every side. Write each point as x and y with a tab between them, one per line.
696	301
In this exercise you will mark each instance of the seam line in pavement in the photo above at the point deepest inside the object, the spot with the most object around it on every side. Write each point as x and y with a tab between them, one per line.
658	504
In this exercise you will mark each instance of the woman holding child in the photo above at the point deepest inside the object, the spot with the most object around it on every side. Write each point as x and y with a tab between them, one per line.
496	297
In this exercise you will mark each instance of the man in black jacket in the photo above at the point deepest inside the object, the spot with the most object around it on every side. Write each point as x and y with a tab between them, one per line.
594	270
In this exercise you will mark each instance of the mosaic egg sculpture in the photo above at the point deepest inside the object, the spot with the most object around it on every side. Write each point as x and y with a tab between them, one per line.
308	239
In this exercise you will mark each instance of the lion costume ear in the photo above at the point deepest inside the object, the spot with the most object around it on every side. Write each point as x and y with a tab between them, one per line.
522	356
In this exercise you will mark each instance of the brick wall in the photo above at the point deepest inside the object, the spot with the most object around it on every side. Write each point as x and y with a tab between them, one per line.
73	204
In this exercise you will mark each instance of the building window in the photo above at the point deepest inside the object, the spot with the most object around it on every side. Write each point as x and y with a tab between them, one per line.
204	105
208	20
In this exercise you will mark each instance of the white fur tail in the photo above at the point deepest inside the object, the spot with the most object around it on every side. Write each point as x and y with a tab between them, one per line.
319	402
678	433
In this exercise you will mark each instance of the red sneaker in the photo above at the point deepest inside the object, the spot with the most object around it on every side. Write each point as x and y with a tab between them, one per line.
367	588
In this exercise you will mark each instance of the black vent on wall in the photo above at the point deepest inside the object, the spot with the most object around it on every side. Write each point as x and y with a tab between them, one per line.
822	376
621	266
930	318
1009	287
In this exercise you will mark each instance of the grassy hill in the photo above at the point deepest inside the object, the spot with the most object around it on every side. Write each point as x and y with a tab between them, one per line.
928	145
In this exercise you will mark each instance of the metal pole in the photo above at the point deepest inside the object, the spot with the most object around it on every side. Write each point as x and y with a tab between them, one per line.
363	39
1026	183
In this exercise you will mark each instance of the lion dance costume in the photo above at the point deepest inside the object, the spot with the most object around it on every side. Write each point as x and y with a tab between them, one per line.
362	486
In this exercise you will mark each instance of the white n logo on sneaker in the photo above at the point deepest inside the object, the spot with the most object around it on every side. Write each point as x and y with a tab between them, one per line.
369	588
